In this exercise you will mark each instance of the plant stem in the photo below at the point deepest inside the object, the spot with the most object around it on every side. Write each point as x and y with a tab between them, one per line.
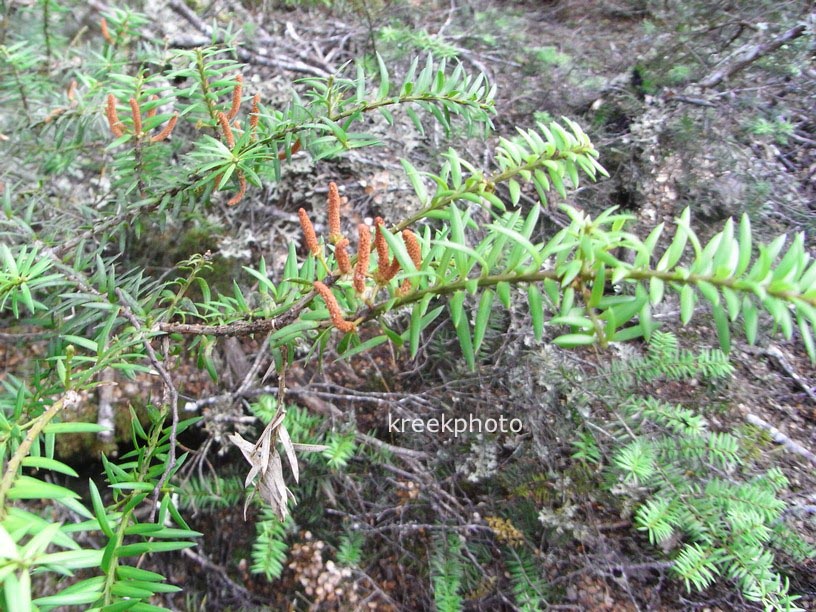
46	34
124	522
70	400
205	86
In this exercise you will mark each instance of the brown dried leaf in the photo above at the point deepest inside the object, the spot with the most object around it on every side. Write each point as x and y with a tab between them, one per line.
265	461
286	441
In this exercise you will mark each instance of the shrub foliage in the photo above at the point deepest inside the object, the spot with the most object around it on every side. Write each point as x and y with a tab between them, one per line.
179	135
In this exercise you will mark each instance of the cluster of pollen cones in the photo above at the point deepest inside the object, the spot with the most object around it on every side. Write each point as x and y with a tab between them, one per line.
387	267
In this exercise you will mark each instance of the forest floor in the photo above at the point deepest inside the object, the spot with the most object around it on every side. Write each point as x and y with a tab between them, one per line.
650	83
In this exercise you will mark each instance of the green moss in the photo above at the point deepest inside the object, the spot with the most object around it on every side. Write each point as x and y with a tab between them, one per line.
551	56
157	247
79	448
73	448
755	441
543	117
679	75
222	273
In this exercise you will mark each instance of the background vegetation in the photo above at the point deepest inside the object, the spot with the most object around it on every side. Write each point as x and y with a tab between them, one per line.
238	240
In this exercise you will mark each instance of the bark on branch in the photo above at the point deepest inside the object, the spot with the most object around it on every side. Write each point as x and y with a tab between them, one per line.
239	328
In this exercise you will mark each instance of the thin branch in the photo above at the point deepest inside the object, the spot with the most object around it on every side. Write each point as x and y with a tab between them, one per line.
219	571
241	328
104	413
308	393
414	527
782	363
70	400
396	450
690	100
24	336
170	390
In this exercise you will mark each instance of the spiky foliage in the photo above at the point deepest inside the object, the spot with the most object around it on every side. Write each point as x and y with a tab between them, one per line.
341	450
413	40
446	573
350	549
525	577
209	493
700	488
665	359
270	547
67	271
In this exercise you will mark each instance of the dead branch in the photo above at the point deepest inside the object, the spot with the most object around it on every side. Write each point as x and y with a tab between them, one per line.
241	328
220	573
311	399
245	55
691	100
748	55
780	438
104	413
396	450
778	358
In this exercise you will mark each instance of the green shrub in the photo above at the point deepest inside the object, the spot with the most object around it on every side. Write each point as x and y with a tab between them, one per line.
446	574
700	495
779	129
162	125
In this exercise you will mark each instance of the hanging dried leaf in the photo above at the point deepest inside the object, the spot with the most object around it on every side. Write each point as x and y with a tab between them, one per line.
265	461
